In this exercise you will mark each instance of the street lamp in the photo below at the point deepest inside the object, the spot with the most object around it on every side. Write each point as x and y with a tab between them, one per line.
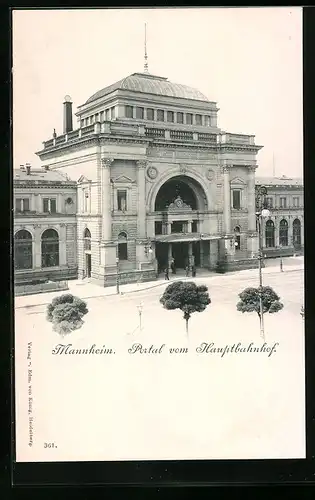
117	275
261	212
140	308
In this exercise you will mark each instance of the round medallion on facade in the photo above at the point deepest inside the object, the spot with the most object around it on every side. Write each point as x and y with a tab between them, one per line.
152	172
210	174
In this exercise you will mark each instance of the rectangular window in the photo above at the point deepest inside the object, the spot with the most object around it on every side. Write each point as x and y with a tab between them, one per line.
92	119
296	201
269	202
107	113
129	111
97	117
170	116
160	115
207	121
236	199
194	226
122	200
82	123
150	114
189	118
158	227
180	117
22	204
140	113
283	202
198	120
102	113
49	205
112	113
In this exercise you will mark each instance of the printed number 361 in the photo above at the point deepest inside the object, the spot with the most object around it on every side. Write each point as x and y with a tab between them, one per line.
50	445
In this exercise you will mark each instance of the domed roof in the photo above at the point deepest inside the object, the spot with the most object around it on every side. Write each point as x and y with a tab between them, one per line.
150	84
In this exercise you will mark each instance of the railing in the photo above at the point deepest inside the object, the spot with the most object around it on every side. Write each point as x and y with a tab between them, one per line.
181	134
29	289
151	132
207	137
155	132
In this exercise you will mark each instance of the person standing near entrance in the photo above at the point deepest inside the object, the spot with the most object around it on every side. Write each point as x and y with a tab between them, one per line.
187	270
166	273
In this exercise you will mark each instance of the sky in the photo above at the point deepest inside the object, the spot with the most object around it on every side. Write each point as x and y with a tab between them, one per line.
248	60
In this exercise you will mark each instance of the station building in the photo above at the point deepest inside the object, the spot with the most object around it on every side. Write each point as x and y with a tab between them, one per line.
156	179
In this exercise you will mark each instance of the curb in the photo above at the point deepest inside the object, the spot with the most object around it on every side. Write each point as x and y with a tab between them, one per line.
184	278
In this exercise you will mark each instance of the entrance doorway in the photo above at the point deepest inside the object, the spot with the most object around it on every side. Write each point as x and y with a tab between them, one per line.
180	254
161	254
88	265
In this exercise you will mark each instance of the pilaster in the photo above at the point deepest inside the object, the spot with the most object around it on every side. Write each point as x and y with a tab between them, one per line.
62	245
227	199
251	199
106	199
141	216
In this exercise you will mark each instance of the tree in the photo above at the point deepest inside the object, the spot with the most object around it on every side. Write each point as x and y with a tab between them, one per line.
186	296
66	313
250	300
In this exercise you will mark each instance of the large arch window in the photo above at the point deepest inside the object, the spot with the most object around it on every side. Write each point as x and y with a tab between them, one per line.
270	234
122	246
173	188
296	232
50	248
283	233
237	236
87	239
23	250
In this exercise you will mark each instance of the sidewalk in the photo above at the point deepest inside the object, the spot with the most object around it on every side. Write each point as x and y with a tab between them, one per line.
86	290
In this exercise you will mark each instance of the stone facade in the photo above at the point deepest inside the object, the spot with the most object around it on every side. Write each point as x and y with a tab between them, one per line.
285	201
44	200
156	179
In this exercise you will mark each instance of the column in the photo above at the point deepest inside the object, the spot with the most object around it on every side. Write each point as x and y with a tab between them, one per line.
168	227
290	231
134	112
277	239
190	255
106	199
62	245
170	255
227	200
201	253
251	204
37	247
141	216
189	227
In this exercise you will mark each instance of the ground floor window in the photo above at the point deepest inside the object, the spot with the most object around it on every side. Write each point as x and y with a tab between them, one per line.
122	246
50	248
283	233
297	232
237	237
270	234
23	250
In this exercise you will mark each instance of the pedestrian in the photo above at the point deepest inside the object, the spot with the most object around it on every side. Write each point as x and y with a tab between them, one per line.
173	266
193	271
187	270
166	274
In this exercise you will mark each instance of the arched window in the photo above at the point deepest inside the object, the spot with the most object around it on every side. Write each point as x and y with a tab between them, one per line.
237	236
283	233
122	246
23	250
87	239
270	234
296	232
50	248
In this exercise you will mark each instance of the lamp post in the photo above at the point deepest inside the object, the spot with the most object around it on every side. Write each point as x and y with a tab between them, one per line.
140	308
261	212
117	275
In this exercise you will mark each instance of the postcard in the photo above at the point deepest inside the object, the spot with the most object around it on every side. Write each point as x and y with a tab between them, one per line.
158	234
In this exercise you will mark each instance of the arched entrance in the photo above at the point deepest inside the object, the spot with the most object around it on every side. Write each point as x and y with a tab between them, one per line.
179	208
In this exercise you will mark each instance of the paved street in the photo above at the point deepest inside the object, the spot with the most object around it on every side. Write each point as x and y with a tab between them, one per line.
246	404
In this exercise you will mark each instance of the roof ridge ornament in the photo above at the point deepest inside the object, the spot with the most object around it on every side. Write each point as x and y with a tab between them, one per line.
146	67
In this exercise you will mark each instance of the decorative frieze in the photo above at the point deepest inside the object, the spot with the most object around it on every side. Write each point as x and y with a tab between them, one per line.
107	162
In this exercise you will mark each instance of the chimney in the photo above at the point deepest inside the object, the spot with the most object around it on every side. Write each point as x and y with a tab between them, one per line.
28	168
54	134
67	115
